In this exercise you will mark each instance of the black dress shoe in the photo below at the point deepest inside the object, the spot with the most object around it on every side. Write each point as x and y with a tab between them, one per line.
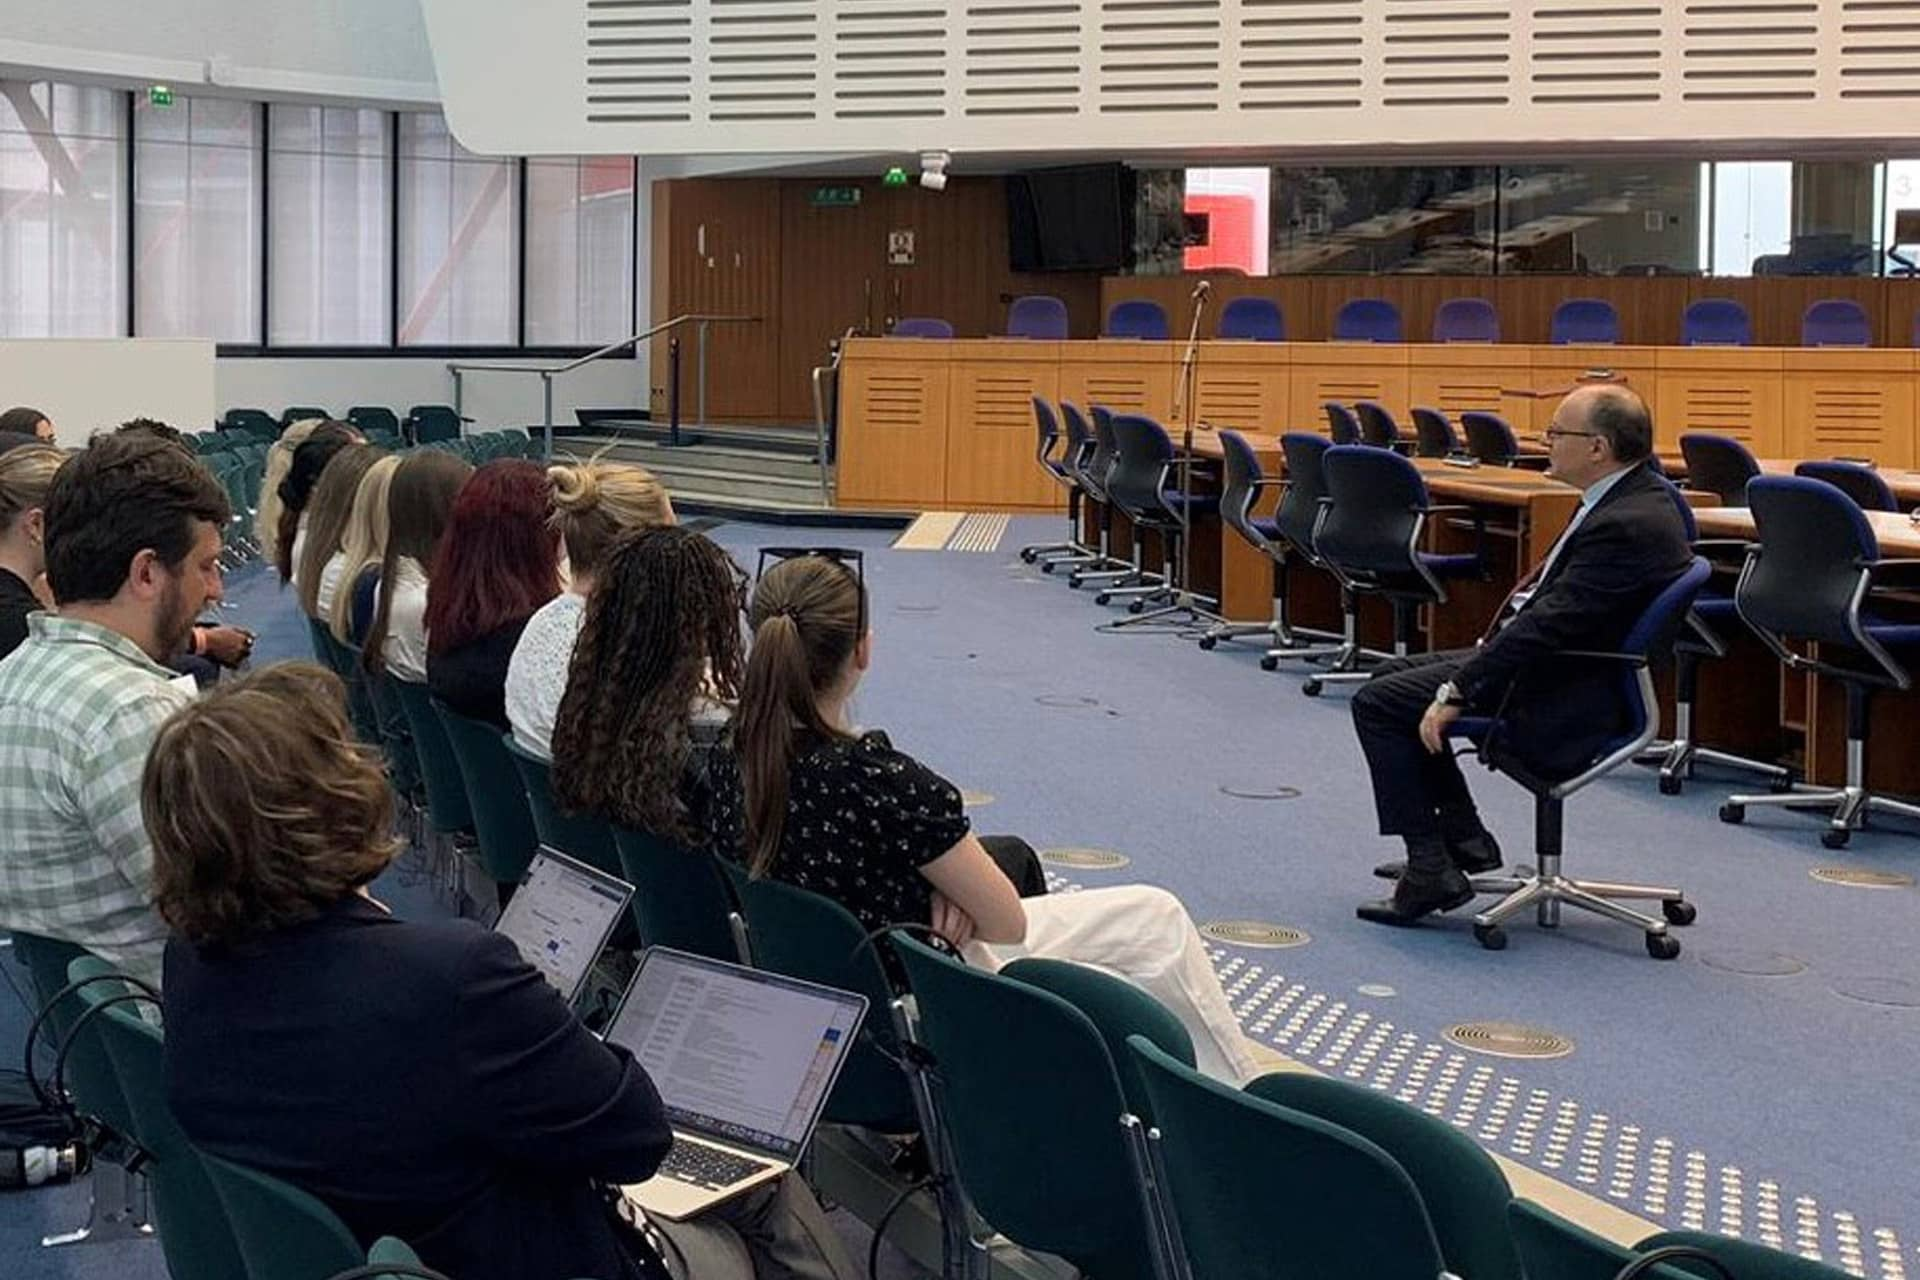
1475	855
1417	896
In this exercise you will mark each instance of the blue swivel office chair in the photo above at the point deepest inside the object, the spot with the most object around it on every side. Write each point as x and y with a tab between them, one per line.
1118	576
1434	435
1137	318
1491	440
1719	465
1046	439
1368	320
1863	484
1143	485
1466	320
1255	319
921	327
1836	322
1372	523
1037	315
1808	579
1294	524
1547	888
1377	426
1343	425
1717	322
1079	458
1584	320
1242	482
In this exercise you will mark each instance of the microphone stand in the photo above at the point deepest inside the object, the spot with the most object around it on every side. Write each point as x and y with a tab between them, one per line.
1185	600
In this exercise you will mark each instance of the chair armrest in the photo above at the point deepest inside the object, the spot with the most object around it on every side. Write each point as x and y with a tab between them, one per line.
1631	659
1742	545
1270	482
1900	567
1450	507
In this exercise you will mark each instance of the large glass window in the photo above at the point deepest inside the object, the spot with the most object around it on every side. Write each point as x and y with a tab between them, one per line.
1600	219
196	219
329	226
63	210
1226	210
579	251
459	256
1376	219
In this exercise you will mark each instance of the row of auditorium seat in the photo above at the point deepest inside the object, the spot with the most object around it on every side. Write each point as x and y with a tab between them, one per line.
1830	322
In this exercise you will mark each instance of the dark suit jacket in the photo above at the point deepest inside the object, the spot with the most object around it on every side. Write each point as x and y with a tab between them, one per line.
420	1079
472	679
1629	547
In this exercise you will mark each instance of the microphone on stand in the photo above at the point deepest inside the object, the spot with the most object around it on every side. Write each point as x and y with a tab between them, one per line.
1202	289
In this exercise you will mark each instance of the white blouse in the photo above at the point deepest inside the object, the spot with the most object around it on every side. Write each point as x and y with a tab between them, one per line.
405	650
537	672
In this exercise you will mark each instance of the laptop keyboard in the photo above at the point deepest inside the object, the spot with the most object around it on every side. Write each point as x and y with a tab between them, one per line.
708	1167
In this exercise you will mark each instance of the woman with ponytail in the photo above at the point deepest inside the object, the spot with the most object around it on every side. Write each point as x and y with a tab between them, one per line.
806	798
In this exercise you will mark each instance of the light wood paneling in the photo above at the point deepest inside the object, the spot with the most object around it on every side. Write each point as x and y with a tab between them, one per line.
832	280
1732	391
1346	371
893	424
991	432
1850	402
717	244
1123	375
1455	377
1242	385
1555	370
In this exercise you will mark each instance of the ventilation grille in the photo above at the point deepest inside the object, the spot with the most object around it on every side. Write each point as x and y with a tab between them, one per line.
895	400
1750	51
889	59
1879	49
1847	419
1023	59
763	59
1588	54
1300	55
639	61
1446	53
1159	56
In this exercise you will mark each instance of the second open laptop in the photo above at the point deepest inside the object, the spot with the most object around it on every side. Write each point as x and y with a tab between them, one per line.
561	916
743	1059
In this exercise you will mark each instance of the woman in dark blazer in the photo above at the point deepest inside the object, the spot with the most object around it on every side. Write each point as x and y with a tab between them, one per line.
420	1078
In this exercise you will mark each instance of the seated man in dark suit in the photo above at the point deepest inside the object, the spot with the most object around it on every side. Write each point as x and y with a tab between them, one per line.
1624	543
419	1077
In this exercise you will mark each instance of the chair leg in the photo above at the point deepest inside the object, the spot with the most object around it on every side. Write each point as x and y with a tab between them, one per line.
1849	804
1676	759
116	1210
1352	663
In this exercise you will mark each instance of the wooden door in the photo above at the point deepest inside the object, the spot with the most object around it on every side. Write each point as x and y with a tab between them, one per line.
832	279
716	250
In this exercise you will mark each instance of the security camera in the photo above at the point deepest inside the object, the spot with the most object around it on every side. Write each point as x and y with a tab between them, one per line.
933	170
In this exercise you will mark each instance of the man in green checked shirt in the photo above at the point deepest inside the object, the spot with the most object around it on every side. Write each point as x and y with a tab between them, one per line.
133	542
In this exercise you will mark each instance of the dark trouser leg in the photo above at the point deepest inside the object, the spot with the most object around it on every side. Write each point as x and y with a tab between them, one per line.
1412	787
1021	864
205	671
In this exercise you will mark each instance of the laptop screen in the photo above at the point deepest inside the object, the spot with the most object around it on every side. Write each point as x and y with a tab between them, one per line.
560	917
737	1054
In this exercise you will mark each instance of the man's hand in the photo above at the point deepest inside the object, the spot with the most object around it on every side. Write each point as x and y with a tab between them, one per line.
950	922
228	646
1433	726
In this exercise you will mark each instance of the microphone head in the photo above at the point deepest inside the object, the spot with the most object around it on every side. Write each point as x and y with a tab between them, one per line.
1202	289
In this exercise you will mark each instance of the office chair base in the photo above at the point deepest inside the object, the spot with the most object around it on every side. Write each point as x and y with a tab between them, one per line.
1676	759
1139	584
1071	560
1238	631
110	1184
1191	605
1850	804
1546	891
1036	550
1120	570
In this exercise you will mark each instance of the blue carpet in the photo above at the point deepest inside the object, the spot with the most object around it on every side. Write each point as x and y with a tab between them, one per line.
1778	1107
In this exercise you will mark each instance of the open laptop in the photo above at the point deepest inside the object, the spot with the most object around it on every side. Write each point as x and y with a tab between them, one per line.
561	916
744	1061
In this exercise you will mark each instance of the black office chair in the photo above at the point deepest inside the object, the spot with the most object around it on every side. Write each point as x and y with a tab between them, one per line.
1546	888
1242	482
1435	435
1371	524
1491	440
1342	426
1089	467
1862	484
1294	523
1132	578
1698	641
1807	580
1143	484
1377	426
427	423
1718	465
1046	439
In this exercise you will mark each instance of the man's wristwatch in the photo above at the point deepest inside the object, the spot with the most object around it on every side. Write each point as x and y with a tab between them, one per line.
1447	695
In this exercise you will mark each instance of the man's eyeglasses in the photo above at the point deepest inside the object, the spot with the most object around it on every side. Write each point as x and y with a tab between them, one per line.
1554	433
852	560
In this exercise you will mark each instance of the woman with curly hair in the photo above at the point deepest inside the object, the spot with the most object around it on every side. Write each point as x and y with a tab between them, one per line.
655	671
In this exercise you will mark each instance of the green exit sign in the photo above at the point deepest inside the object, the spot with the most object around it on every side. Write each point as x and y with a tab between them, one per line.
835	197
895	177
159	95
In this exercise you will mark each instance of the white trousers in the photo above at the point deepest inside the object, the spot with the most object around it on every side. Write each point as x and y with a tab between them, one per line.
1144	935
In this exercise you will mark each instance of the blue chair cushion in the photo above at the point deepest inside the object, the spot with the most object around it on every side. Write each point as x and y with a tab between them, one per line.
1203	503
1891	633
1451	566
1058	470
1714	608
1267	526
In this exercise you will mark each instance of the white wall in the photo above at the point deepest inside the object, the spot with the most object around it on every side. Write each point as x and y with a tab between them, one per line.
85	384
355	49
491	399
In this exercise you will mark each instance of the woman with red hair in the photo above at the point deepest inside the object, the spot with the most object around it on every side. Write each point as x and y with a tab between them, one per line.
498	562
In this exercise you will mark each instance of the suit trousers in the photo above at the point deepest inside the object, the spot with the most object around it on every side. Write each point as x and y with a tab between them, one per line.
1416	794
774	1232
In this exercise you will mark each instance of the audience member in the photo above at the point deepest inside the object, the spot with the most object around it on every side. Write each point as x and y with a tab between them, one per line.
419	503
461	1105
593	503
498	563
133	554
266	515
156	428
806	797
25	476
309	461
657	664
316	574
27	422
361	548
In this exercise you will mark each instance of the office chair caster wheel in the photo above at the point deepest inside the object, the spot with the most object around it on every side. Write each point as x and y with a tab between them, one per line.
1136	606
1269	663
1662	947
1835	837
1669	784
1677	911
1029	554
1102	598
1311	688
1731	812
1045	568
1780	786
1207	642
1490	936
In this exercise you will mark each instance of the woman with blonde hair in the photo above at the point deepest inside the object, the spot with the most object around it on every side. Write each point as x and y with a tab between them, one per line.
593	503
266	517
25	475
361	548
316	574
419	504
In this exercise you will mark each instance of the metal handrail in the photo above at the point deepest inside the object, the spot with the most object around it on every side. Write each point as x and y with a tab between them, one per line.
548	372
822	411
